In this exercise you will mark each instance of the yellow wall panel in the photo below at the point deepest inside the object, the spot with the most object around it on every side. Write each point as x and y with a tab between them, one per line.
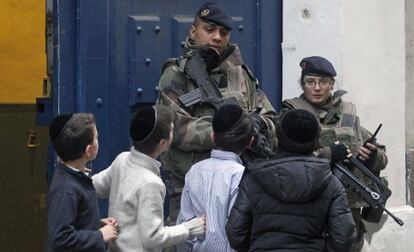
22	50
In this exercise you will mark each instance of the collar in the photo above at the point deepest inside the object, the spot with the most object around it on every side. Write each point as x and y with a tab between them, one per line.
225	155
75	170
231	53
145	161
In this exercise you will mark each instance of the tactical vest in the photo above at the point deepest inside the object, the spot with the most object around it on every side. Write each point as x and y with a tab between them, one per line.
340	123
232	80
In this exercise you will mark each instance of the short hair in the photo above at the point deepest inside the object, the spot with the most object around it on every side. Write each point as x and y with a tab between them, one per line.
71	134
149	126
197	21
237	137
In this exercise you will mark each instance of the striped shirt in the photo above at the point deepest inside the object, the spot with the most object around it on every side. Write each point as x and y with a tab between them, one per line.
211	188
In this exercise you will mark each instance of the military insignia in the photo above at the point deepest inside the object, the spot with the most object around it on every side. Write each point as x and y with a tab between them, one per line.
204	12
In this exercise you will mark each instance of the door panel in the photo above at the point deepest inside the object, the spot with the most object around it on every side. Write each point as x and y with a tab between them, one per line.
108	56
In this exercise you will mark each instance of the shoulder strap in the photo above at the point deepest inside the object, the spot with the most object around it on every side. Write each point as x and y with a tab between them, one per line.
249	72
348	116
300	103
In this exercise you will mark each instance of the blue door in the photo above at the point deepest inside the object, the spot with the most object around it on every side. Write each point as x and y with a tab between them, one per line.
108	54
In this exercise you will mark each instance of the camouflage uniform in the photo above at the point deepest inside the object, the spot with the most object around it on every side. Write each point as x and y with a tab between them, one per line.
339	121
192	128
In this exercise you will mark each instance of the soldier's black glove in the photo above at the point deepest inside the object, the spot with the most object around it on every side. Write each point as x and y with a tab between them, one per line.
211	57
261	146
339	152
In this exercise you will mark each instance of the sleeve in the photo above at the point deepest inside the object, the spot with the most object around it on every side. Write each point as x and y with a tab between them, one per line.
240	220
186	213
190	133
186	206
62	215
151	222
341	232
102	182
234	190
379	161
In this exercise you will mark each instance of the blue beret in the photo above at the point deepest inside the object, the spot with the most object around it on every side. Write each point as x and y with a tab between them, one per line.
317	65
214	13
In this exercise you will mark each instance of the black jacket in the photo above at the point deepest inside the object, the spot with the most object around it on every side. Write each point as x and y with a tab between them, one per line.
291	203
73	219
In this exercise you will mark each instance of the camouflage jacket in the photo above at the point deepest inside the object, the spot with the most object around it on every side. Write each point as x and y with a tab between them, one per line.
331	118
192	128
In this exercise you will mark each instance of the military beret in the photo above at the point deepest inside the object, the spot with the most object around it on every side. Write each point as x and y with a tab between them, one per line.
226	117
317	65
213	13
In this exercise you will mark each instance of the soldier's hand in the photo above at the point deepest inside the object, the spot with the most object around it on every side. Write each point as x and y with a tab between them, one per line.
367	151
261	146
339	152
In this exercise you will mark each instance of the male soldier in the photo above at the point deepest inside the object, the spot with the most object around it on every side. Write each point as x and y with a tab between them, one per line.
209	36
339	122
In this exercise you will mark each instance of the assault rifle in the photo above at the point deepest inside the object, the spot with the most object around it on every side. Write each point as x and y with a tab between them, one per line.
207	92
375	194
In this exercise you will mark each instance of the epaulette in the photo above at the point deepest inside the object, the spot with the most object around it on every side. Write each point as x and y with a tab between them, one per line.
169	62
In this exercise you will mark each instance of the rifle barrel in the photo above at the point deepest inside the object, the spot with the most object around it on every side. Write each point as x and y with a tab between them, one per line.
398	220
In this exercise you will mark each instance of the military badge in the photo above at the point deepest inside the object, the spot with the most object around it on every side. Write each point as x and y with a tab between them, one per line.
204	12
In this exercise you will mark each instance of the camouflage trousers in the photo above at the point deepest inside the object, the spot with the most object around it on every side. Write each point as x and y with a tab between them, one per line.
360	229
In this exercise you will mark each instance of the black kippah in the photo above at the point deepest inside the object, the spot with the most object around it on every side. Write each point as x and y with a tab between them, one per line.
226	117
300	126
298	131
143	124
57	125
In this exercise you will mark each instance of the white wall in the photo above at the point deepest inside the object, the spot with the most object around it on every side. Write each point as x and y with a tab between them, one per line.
365	41
318	33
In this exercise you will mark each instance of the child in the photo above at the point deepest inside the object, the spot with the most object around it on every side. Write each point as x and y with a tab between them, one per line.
73	213
292	201
135	190
211	185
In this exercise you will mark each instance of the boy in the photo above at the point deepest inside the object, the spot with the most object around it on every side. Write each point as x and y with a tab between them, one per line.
73	214
292	201
211	185
135	190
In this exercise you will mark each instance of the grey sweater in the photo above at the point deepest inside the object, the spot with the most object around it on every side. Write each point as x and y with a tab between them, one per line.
136	196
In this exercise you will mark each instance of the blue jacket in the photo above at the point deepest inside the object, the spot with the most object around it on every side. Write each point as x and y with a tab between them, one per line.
73	213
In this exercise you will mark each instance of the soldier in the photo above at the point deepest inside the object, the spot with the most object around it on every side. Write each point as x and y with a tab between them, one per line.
339	122
210	33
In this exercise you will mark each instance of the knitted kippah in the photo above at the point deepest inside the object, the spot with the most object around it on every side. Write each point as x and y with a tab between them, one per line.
145	120
57	125
300	126
226	117
298	131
